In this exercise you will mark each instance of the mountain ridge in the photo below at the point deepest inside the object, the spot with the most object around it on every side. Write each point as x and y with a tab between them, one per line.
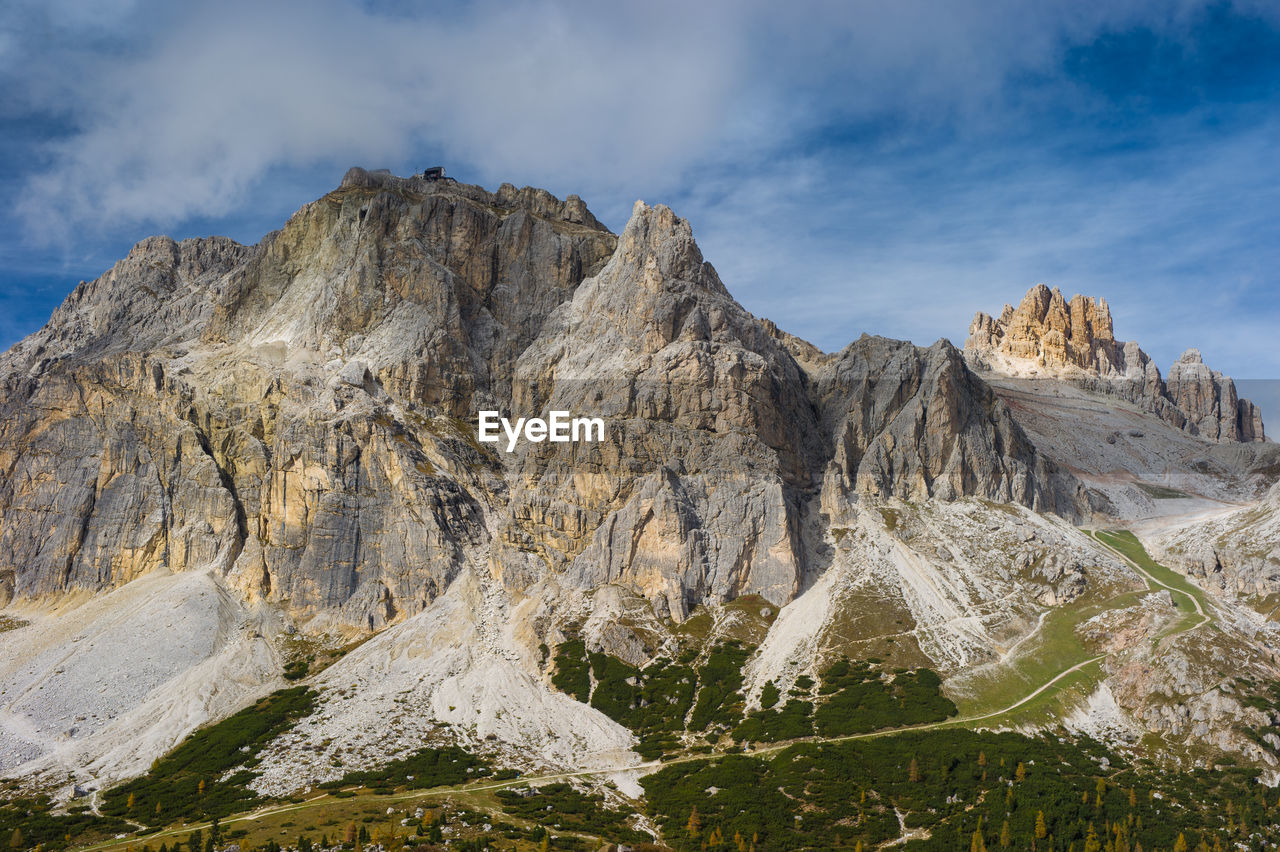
291	426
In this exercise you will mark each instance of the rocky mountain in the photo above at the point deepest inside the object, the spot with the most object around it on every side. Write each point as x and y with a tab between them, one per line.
1051	337
272	451
299	414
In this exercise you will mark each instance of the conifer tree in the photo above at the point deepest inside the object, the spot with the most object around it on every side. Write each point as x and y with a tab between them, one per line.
1180	845
1020	774
694	826
913	771
1006	835
16	840
1042	831
1091	841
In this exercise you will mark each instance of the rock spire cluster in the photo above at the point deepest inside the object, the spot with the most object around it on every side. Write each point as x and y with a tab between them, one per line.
1048	336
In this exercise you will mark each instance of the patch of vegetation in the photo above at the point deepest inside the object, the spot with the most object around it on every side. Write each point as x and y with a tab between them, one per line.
652	702
1160	492
573	672
1185	593
309	655
655	701
1008	790
719	687
297	669
769	695
562	807
793	721
860	699
855	697
28	820
891	517
10	622
192	781
428	767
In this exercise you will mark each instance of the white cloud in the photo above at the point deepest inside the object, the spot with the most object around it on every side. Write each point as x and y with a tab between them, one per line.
1181	241
180	109
231	91
185	111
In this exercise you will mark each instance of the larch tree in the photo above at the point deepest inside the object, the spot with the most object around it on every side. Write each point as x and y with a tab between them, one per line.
694	826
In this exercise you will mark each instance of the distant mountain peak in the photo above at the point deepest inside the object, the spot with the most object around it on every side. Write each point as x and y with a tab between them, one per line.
1046	336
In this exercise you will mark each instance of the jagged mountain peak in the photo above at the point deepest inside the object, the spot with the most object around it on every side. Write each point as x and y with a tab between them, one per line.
1046	336
1045	332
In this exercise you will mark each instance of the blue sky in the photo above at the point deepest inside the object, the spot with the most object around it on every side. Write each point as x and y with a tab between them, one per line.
847	166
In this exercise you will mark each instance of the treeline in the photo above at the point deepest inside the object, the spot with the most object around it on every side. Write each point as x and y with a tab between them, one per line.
26	822
966	789
427	767
853	698
655	701
565	808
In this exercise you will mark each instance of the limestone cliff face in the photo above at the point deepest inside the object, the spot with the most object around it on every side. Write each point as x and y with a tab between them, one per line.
695	495
299	416
916	423
285	413
1209	400
1051	337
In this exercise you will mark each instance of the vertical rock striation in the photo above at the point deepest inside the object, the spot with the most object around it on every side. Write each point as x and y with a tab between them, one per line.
1050	337
298	416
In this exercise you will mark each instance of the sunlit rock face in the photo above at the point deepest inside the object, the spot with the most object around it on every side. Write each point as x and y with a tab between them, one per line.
1046	336
299	415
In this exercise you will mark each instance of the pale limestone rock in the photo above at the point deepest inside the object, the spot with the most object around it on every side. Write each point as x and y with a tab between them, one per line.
1046	336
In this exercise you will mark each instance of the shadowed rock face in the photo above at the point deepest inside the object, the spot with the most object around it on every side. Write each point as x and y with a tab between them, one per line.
1048	336
915	423
1210	402
299	415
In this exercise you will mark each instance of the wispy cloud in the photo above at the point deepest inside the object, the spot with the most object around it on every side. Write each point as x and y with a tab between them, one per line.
848	166
1180	241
